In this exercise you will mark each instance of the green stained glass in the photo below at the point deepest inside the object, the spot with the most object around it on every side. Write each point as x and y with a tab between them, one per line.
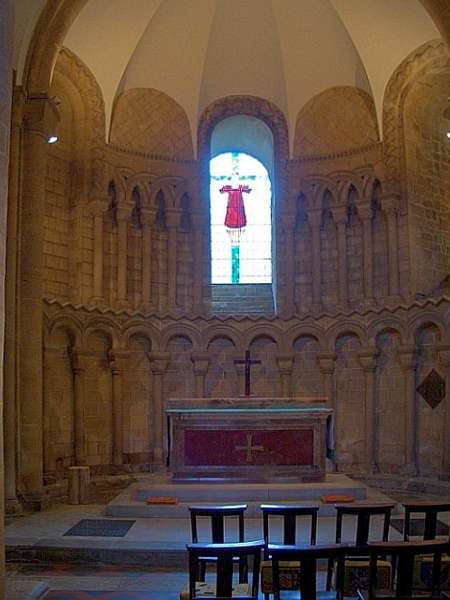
235	264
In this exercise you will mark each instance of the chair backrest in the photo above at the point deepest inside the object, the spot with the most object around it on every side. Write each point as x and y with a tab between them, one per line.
217	515
403	557
429	510
225	555
289	514
308	556
363	512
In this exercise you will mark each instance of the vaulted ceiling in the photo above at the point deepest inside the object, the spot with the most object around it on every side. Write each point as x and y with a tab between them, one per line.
197	51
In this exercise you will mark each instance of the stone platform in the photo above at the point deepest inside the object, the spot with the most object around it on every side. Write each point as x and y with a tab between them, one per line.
131	502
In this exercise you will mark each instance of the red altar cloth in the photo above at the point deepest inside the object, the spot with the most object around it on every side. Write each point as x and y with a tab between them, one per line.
237	447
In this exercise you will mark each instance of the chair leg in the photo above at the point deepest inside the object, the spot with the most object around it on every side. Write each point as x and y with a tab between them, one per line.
243	571
202	571
330	573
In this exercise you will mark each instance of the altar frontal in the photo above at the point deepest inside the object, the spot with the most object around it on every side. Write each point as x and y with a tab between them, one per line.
271	439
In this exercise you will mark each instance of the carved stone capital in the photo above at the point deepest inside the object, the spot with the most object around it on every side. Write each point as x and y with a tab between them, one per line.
119	361
444	354
147	217
97	208
285	363
365	212
407	357
159	361
368	360
173	218
340	215
326	361
200	362
40	115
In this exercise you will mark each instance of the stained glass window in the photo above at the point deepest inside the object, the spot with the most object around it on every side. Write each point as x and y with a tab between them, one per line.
242	256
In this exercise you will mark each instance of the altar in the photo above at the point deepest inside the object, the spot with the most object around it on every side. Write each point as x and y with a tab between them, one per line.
247	439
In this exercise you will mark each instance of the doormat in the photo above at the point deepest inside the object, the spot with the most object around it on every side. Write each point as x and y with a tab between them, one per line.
117	595
416	527
101	528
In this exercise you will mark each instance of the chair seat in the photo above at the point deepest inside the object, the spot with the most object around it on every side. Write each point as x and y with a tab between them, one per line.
423	571
208	590
356	575
289	575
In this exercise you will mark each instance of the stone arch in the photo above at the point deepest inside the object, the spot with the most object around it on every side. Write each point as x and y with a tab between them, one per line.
350	328
431	55
258	331
138	329
352	111
264	346
306	378
185	331
424	320
179	376
222	377
213	332
69	324
306	330
385	324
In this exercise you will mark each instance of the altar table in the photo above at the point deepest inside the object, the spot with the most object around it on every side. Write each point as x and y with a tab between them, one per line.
247	441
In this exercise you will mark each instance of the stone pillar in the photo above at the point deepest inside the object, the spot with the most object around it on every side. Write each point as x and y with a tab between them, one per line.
10	354
119	361
122	255
39	121
390	205
197	222
444	358
173	219
159	363
53	359
147	218
326	361
315	219
200	362
79	480
80	362
285	363
289	254
408	362
368	362
97	209
365	213
340	217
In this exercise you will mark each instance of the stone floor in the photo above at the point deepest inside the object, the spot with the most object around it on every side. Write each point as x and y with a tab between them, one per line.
148	562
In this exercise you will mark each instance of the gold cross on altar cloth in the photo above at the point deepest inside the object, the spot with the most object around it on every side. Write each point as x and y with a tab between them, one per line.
250	448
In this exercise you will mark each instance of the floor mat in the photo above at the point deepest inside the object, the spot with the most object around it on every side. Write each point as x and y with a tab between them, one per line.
101	528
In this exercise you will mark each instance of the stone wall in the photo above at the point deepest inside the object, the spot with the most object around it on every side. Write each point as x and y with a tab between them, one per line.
126	311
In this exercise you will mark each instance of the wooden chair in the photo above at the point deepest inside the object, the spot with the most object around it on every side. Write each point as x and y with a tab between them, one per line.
224	555
308	556
430	511
290	514
403	557
218	515
364	512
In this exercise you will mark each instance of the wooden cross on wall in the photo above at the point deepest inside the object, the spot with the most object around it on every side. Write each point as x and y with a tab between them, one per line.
248	362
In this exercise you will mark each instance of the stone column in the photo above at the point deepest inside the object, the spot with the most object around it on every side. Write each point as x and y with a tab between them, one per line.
390	205
326	361
147	218
315	219
97	209
53	359
285	363
444	358
408	362
289	254
200	362
159	363
122	255
368	362
80	362
365	213
39	121
197	223
10	354
119	360
340	217
173	219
